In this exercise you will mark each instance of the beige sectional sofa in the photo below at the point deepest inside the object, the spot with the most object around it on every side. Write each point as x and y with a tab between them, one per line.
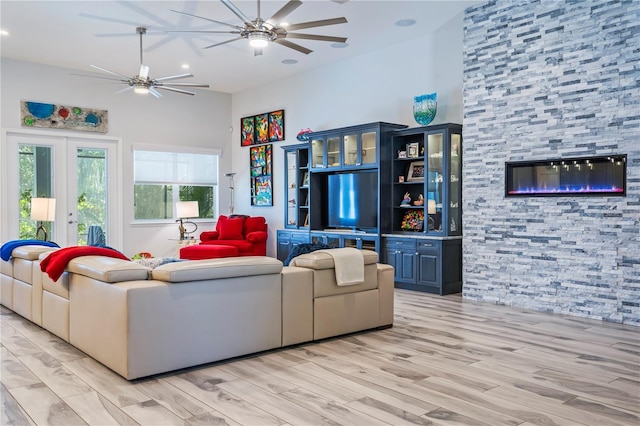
140	321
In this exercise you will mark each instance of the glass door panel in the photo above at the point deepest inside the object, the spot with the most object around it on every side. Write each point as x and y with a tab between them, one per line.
333	151
350	149
455	191
317	153
369	148
292	190
91	226
435	181
35	179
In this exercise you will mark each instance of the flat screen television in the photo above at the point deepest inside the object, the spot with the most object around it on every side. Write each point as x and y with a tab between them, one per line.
353	200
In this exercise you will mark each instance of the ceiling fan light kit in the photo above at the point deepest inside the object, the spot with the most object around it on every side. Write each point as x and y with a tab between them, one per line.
260	32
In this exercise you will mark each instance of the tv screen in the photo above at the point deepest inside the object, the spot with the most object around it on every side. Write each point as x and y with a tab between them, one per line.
353	200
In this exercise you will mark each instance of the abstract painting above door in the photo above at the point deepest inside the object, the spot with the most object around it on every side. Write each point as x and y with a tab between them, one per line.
37	114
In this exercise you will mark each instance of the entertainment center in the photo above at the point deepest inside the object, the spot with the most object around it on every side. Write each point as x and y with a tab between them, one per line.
384	187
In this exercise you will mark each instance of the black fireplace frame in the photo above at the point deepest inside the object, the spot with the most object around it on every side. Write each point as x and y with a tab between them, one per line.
562	168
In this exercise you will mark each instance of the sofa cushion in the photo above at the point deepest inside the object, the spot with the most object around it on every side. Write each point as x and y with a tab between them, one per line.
108	269
253	224
320	260
241	245
31	252
210	269
231	229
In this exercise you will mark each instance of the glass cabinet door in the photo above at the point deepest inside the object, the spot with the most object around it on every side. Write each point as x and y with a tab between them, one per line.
292	189
350	149
368	150
333	151
455	190
317	153
435	182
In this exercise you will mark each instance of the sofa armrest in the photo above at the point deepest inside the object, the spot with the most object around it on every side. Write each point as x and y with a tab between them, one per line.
208	235
386	291
297	305
256	237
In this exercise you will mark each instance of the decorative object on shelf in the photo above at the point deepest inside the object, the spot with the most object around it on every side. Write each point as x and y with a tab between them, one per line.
305	179
406	200
401	179
412	150
36	114
402	154
186	210
261	175
419	201
431	211
416	172
303	135
262	128
424	108
43	210
231	189
413	220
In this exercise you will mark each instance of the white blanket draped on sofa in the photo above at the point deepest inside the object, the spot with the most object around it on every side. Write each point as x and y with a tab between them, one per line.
349	265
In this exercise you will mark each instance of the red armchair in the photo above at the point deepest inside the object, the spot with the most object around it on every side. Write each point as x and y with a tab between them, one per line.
248	234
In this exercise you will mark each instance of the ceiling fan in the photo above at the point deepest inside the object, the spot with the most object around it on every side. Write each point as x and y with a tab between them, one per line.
260	32
142	83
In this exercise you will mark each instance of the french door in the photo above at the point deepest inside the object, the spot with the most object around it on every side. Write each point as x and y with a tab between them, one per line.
79	172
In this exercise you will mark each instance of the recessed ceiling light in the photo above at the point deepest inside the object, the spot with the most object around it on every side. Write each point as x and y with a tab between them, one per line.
4	32
339	45
289	61
185	66
405	22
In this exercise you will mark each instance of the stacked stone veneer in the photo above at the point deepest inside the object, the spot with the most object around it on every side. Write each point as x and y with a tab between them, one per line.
544	80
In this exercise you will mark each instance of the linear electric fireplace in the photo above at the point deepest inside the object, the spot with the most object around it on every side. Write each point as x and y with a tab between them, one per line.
587	176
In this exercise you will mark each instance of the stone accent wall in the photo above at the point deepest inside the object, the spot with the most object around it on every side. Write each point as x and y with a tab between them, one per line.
543	80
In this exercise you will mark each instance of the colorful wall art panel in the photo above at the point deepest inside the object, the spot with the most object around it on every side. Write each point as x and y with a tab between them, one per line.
261	175
262	128
37	114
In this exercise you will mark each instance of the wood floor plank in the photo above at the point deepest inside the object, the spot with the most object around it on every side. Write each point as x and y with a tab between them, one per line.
11	413
446	361
44	406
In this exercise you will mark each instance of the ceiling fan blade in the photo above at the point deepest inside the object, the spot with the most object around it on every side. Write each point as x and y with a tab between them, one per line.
316	37
313	24
293	46
284	11
186	92
238	13
174	77
144	72
204	31
104	78
155	93
124	90
103	18
201	85
206	19
221	43
111	72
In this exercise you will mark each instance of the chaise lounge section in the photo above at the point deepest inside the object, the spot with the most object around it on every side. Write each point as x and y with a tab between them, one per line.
140	321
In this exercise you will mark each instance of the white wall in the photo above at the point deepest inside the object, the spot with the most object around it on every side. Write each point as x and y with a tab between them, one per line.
200	121
375	87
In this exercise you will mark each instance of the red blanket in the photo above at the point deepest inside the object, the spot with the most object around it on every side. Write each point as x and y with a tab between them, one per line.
54	264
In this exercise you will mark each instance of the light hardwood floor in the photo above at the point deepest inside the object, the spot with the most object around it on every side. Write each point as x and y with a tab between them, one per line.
446	361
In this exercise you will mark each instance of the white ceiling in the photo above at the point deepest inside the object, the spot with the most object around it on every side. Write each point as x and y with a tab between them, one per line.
75	34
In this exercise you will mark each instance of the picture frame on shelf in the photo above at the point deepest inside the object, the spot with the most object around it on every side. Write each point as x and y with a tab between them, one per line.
413	150
416	172
305	179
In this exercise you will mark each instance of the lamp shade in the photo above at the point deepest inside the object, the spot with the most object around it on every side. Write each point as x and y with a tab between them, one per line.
43	209
185	209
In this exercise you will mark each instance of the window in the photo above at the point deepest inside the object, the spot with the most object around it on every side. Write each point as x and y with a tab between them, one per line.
162	178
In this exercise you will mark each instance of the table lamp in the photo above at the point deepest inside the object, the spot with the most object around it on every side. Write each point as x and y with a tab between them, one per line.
186	210
43	210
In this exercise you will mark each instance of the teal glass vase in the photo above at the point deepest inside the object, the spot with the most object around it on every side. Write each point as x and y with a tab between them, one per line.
424	108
